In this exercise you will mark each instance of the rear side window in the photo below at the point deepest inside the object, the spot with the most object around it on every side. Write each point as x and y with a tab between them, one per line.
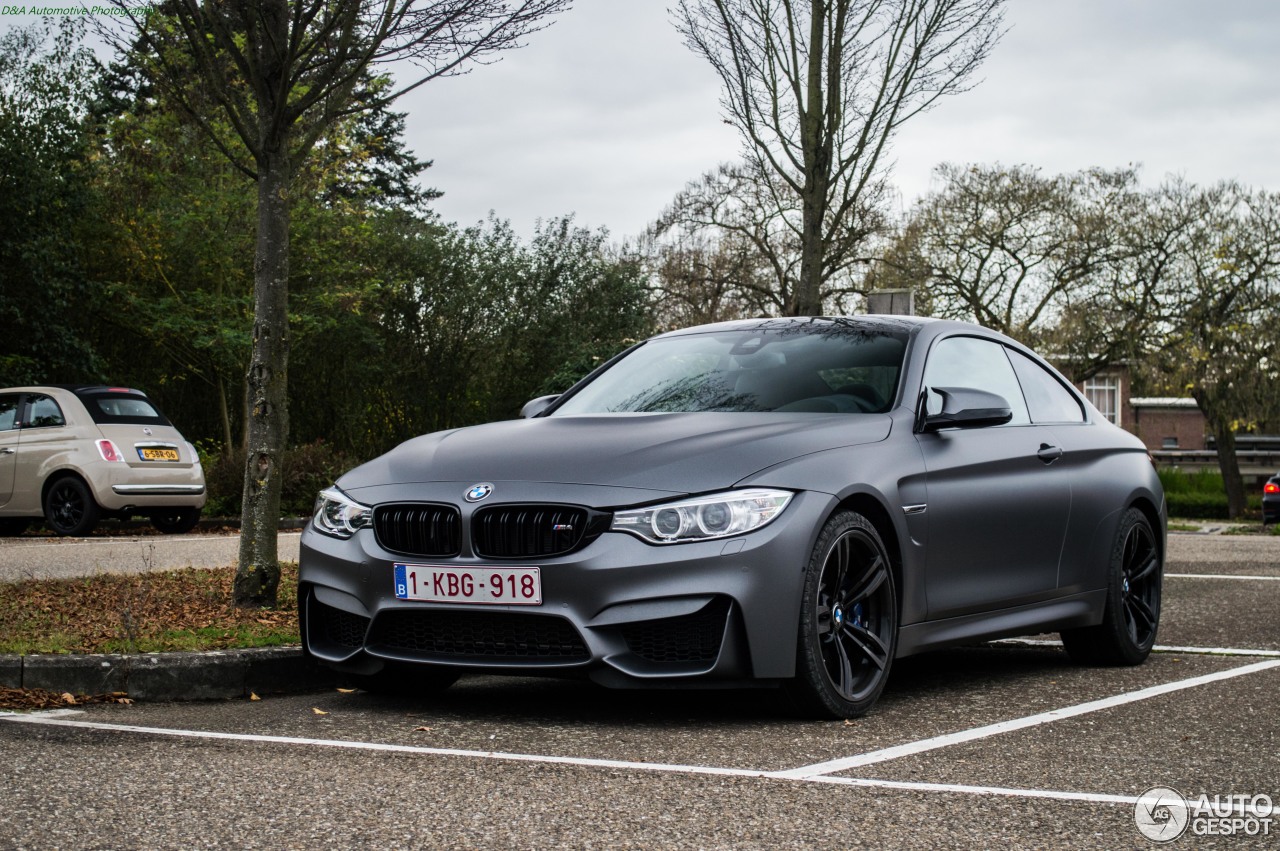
1048	400
122	408
43	412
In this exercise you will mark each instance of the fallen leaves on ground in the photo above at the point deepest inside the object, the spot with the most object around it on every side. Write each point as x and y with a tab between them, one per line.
38	698
188	609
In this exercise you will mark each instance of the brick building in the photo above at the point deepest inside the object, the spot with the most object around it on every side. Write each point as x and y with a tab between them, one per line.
1168	423
1162	423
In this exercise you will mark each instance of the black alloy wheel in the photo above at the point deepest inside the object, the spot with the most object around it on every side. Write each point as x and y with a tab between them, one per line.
69	508
848	621
1132	615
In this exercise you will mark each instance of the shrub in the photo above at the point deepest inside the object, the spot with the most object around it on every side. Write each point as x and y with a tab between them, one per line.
1199	506
1207	482
307	469
1202	495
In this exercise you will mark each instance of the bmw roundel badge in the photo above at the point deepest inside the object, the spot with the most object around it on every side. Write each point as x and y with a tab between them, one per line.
478	492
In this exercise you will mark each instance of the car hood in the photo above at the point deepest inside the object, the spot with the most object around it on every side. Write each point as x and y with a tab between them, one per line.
674	453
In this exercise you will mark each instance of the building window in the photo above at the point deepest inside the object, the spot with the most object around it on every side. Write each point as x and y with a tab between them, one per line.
1169	443
1103	392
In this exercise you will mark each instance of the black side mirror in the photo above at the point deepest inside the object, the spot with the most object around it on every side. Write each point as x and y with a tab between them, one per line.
535	407
962	407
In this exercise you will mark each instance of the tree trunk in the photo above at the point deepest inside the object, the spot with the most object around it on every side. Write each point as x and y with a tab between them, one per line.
807	300
225	413
1228	462
267	420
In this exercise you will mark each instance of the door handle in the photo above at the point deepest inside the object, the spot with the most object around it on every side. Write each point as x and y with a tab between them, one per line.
1048	454
7	451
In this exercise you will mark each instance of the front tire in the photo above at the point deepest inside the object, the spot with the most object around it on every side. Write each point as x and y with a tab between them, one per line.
848	630
69	508
1132	614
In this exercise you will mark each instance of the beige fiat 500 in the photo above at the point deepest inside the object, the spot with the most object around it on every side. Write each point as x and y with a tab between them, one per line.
73	455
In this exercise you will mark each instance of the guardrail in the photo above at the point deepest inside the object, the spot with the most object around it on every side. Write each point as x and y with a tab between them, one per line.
1253	462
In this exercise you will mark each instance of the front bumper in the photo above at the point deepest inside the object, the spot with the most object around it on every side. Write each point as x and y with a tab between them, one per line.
620	611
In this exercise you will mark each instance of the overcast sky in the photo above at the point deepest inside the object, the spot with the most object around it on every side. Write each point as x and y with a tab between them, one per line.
607	114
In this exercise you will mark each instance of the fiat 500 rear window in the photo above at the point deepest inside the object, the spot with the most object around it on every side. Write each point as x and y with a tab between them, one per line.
123	408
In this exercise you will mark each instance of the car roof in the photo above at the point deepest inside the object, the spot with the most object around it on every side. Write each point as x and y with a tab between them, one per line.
78	389
908	325
900	323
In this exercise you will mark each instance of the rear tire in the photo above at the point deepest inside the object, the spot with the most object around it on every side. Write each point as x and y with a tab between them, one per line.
848	631
175	521
1132	614
69	508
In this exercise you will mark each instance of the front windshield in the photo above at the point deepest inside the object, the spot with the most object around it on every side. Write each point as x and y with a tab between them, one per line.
828	366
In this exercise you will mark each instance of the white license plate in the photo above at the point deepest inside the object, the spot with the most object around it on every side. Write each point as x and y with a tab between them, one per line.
507	586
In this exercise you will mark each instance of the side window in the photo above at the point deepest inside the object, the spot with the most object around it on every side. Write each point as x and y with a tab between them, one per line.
978	364
43	412
8	412
1047	400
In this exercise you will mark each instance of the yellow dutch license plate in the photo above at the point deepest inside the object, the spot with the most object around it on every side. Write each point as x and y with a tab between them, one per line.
151	454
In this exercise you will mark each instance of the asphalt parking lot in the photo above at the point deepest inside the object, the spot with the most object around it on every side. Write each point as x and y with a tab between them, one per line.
1006	744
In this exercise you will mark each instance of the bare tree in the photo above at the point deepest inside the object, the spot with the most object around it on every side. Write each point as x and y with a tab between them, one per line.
1020	252
736	209
818	89
279	74
1221	335
728	213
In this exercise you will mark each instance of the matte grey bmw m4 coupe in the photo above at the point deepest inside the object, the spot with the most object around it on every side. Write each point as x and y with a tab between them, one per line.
785	502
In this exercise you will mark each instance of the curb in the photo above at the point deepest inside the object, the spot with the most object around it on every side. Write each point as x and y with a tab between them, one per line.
205	524
211	675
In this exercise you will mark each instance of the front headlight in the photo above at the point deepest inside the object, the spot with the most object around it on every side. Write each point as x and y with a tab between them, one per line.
338	515
703	518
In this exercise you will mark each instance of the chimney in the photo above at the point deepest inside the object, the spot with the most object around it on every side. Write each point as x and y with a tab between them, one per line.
893	302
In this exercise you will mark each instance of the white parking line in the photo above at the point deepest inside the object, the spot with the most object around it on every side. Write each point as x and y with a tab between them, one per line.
56	718
923	745
816	773
383	747
1159	648
1220	576
911	786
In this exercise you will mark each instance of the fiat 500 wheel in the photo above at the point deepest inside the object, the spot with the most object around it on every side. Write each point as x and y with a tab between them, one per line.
1129	622
69	508
848	621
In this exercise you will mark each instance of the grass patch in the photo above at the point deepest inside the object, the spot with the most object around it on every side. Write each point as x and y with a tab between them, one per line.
1183	527
187	609
1252	529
